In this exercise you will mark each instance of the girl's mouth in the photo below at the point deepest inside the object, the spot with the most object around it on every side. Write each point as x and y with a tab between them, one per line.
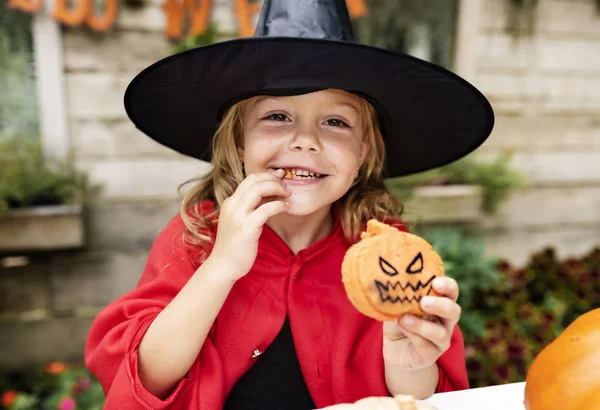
301	174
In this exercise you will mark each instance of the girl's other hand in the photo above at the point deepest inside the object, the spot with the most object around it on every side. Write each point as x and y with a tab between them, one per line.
411	342
241	220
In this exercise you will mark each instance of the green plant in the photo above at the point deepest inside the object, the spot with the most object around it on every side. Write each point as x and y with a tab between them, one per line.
510	314
496	178
208	37
536	303
424	28
19	113
465	261
28	179
56	386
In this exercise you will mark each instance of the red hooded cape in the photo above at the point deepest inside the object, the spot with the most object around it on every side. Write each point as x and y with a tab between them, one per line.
339	349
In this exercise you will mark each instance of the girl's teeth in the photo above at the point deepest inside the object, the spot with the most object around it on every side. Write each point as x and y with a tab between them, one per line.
300	173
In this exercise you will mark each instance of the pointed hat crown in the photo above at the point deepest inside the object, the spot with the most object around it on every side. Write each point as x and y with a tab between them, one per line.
320	19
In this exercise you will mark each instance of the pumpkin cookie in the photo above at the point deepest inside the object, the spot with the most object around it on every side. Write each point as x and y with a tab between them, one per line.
387	272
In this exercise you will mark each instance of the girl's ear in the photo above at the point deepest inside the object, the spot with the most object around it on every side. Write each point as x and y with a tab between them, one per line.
364	149
241	154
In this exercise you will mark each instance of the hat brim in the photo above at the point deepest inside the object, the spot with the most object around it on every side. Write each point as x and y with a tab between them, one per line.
429	115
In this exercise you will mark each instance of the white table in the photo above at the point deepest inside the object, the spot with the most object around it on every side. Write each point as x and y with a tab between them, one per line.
501	397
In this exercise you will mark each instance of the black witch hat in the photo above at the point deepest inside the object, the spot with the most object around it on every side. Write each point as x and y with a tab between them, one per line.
429	116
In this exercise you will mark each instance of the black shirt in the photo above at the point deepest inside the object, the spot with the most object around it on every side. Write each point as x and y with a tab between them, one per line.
274	382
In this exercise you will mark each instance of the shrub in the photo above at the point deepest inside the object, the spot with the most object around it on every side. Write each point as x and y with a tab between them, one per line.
56	386
28	179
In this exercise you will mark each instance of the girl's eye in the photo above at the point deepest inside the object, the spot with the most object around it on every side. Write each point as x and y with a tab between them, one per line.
277	117
334	122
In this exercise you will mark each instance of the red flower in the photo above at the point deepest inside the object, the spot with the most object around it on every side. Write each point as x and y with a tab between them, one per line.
8	398
56	368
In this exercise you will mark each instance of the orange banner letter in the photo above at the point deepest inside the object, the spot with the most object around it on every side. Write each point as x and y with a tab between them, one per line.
356	8
105	22
29	6
75	17
177	10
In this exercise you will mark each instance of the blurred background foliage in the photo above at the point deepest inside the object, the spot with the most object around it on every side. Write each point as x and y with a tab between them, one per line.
56	386
422	28
509	314
28	179
19	111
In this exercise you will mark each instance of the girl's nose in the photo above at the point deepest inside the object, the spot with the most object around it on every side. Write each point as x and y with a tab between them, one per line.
306	141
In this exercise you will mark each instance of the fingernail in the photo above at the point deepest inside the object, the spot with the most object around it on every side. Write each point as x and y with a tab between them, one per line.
427	302
440	283
407	321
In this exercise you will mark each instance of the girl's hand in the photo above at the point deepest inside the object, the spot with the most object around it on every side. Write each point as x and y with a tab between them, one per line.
241	220
413	343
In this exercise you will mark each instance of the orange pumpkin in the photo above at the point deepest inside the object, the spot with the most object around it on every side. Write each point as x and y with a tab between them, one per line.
566	373
387	272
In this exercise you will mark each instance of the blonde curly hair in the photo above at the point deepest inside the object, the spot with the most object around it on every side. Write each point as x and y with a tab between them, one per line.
367	198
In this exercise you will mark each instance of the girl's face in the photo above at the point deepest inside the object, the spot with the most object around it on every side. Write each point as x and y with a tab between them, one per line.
317	138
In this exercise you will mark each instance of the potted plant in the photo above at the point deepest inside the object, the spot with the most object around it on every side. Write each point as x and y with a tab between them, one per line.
41	201
458	192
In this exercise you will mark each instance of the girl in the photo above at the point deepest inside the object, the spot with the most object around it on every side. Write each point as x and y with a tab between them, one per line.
241	304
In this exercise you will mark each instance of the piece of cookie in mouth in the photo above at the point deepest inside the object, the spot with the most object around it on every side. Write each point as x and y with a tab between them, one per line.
298	173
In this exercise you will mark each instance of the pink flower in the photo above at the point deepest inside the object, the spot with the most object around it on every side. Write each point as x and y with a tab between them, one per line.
83	384
67	403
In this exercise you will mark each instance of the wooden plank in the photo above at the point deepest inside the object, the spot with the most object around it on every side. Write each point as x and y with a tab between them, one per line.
114	139
94	96
518	245
547	206
545	133
141	178
541	94
120	51
556	168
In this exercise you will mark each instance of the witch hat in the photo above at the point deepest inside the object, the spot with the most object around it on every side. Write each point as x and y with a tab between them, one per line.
428	115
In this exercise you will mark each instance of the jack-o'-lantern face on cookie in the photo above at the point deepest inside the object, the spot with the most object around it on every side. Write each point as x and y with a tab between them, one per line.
388	272
402	278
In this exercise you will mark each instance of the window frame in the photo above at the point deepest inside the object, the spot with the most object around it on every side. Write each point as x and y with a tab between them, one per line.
50	76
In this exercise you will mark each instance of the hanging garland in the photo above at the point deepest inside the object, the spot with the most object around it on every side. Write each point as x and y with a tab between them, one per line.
198	13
